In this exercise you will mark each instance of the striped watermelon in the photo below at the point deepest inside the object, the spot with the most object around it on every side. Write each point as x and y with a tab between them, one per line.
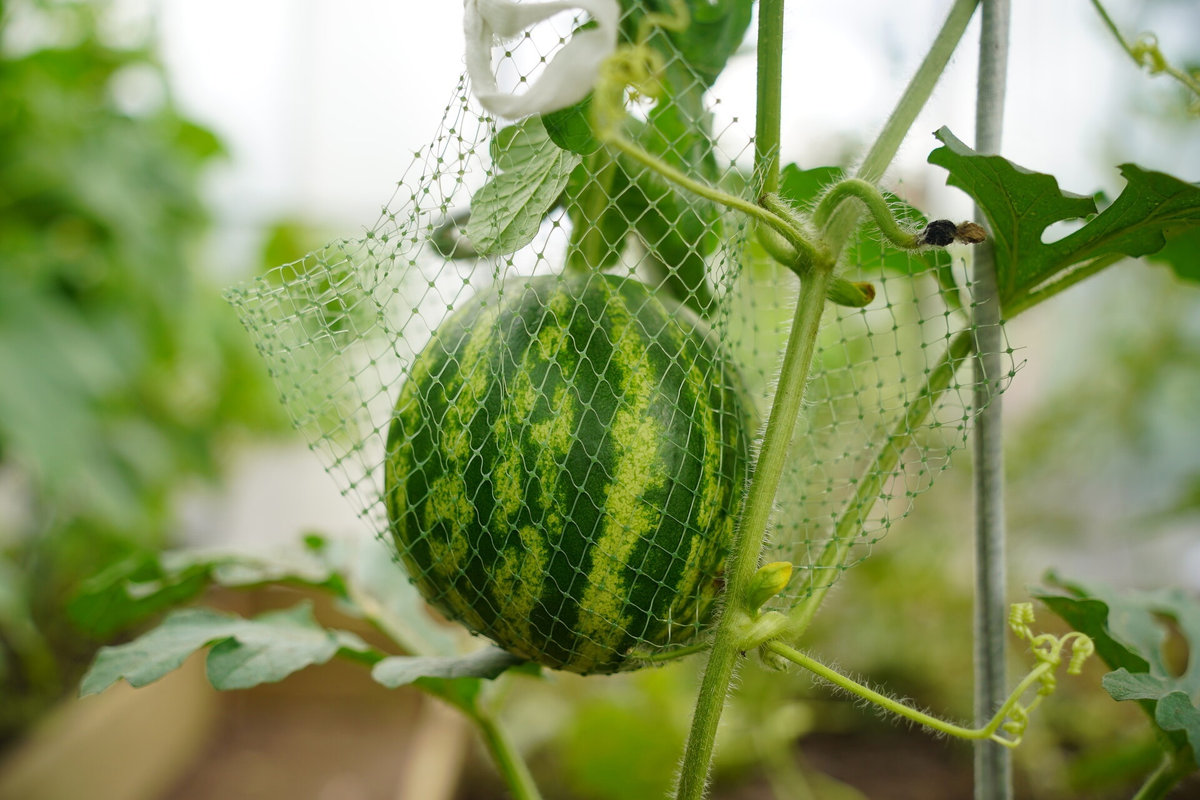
565	467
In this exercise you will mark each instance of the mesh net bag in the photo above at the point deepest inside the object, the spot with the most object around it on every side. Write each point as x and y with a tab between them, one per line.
551	414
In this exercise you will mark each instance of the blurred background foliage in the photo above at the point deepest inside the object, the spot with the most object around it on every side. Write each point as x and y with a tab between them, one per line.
122	372
124	378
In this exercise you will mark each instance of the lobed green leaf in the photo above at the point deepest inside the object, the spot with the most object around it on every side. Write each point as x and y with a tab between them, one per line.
245	653
1129	637
363	576
1152	211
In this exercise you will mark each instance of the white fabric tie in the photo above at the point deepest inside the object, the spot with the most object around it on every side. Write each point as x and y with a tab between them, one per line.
568	77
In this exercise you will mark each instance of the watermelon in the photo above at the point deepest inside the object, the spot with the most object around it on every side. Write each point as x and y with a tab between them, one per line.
565	468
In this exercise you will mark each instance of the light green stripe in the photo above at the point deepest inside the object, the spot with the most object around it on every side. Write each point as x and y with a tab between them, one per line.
448	503
712	490
682	613
636	436
517	586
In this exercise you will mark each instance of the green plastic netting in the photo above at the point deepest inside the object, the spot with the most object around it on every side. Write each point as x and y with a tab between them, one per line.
343	330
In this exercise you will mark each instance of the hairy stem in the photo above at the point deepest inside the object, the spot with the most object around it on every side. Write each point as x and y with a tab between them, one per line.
1170	772
877	207
506	757
786	406
1190	81
986	732
781	425
696	187
918	92
920	88
770	93
822	573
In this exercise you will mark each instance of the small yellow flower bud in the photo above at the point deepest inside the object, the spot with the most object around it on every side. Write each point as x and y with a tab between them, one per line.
770	580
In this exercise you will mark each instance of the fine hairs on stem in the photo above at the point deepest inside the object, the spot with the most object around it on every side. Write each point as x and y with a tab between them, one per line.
793	376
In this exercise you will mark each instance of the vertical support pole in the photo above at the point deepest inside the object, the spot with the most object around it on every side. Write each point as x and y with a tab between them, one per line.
993	765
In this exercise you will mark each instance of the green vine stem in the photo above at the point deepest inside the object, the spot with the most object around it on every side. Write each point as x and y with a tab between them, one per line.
876	205
915	96
1145	53
587	254
760	499
783	226
507	758
990	731
1160	783
770	93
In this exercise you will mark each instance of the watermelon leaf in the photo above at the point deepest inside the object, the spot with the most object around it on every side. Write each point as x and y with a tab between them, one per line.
361	575
1130	637
1153	210
714	34
486	664
571	128
529	173
246	652
1182	254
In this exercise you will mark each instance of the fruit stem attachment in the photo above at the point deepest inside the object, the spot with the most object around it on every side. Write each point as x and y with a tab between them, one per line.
781	426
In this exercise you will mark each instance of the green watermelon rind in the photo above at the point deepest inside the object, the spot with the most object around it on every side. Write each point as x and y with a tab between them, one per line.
620	402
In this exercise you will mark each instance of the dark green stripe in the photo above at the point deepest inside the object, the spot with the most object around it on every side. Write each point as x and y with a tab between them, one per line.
556	337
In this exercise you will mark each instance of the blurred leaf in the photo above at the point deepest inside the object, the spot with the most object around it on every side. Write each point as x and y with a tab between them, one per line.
277	644
530	172
716	31
246	652
19	635
1177	713
122	373
131	591
1130	637
1181	253
1021	204
363	576
135	589
623	743
487	664
1125	685
611	753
